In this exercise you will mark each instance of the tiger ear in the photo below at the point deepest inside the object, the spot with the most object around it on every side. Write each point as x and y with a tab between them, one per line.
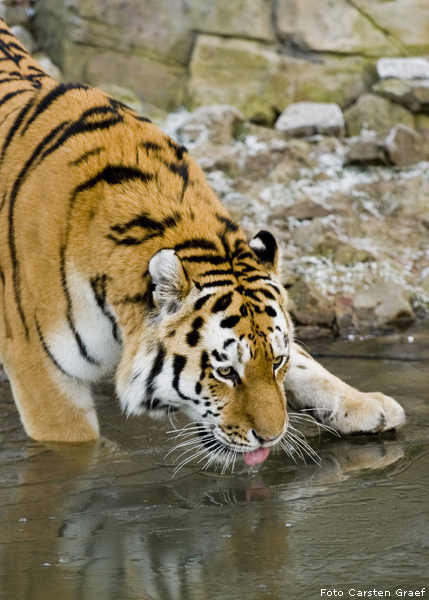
265	247
169	279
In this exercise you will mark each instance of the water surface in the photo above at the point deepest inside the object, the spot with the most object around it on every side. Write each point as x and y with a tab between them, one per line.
109	521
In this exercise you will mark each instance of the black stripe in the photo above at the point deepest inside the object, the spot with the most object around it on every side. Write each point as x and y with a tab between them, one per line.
13	94
150	146
270	311
230	322
201	301
218	272
267	294
230	225
108	176
87	155
17	123
131	241
99	288
154	372
196	244
251	294
222	303
218	283
50	98
48	352
215	260
69	313
179	363
180	169
193	337
11	233
179	151
85	125
143	221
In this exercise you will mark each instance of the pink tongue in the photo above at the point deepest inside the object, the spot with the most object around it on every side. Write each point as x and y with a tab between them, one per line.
256	457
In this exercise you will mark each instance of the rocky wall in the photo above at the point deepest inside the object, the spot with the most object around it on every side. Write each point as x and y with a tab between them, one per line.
258	55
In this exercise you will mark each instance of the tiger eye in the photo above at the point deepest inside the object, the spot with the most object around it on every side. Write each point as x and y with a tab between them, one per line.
226	371
278	361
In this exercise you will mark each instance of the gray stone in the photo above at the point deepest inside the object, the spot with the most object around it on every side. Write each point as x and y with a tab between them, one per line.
382	305
404	146
305	209
403	68
343	252
309	118
309	306
219	122
377	114
262	82
368	150
330	26
411	93
241	18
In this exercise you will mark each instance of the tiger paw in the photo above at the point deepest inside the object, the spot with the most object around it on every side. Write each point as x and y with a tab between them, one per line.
366	414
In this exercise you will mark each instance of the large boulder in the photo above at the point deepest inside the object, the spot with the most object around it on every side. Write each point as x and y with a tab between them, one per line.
404	146
383	304
309	306
333	26
262	82
309	118
411	93
219	123
403	68
377	114
241	19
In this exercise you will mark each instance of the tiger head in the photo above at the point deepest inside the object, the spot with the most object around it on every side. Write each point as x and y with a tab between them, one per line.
216	346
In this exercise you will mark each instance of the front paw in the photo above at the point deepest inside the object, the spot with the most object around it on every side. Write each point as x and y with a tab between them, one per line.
370	413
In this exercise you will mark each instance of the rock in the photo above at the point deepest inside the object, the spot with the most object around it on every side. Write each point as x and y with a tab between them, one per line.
383	304
331	26
405	21
367	150
24	37
403	68
220	123
309	118
377	114
308	306
308	332
16	13
309	236
48	66
413	94
404	146
304	209
123	94
343	252
261	82
345	317
240	19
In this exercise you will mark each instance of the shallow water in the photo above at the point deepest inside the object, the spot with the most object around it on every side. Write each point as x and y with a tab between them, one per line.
109	522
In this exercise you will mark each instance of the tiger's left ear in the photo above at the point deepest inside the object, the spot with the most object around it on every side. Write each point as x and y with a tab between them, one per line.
265	247
171	284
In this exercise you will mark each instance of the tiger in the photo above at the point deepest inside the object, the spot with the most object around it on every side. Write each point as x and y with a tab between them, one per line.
118	259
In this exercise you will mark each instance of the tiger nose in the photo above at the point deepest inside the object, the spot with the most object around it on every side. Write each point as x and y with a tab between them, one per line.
264	439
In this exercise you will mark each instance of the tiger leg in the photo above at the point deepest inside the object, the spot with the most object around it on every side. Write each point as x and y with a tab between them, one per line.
309	386
52	405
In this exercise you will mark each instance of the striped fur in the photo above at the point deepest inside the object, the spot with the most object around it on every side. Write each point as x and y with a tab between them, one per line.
115	254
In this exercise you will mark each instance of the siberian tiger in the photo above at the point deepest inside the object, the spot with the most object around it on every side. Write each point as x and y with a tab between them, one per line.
115	254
